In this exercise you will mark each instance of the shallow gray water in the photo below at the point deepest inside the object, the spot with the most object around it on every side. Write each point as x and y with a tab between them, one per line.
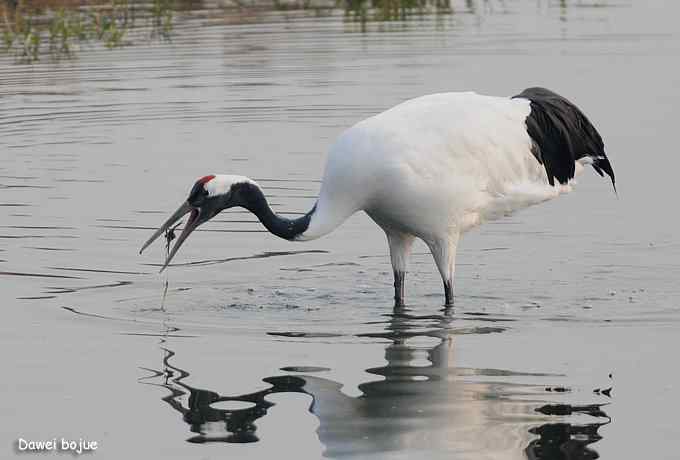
264	348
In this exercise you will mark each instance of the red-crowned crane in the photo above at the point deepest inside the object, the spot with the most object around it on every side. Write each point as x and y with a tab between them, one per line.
430	168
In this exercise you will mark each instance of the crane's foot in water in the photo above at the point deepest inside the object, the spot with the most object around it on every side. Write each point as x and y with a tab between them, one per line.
448	294
399	278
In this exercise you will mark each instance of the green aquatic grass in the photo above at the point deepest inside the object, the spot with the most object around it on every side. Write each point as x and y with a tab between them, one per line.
392	10
162	15
32	34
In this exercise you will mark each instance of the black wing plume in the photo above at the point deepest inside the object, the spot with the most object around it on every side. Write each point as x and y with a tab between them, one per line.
562	134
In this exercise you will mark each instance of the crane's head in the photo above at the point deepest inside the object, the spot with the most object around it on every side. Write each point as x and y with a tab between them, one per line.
208	196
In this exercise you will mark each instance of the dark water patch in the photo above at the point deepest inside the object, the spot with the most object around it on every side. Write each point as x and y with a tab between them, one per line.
338	264
22	146
85	181
489	319
95	315
37	92
61	143
583	320
60	290
11	237
42	248
17	205
39	275
305	369
191	86
95	270
37	227
246	84
119	89
25	186
159	335
75	311
306	335
375	256
19	177
125	227
264	255
39	297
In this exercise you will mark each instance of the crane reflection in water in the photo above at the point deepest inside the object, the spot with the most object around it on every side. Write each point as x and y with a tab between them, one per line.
408	398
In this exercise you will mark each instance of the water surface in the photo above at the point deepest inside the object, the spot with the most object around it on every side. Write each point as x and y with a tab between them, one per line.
561	344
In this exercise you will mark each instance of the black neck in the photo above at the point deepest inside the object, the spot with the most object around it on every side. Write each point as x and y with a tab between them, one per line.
255	201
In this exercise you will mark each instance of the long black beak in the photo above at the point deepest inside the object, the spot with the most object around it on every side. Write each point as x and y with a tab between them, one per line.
193	222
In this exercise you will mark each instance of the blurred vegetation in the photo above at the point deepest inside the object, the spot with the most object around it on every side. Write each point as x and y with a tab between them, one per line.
58	29
31	29
392	10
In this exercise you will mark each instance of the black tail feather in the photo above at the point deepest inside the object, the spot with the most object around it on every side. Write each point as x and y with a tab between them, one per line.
562	134
602	166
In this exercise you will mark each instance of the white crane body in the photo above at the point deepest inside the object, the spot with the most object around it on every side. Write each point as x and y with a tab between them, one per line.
434	165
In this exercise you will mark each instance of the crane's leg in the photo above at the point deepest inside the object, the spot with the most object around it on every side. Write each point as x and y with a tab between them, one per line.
400	248
444	253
